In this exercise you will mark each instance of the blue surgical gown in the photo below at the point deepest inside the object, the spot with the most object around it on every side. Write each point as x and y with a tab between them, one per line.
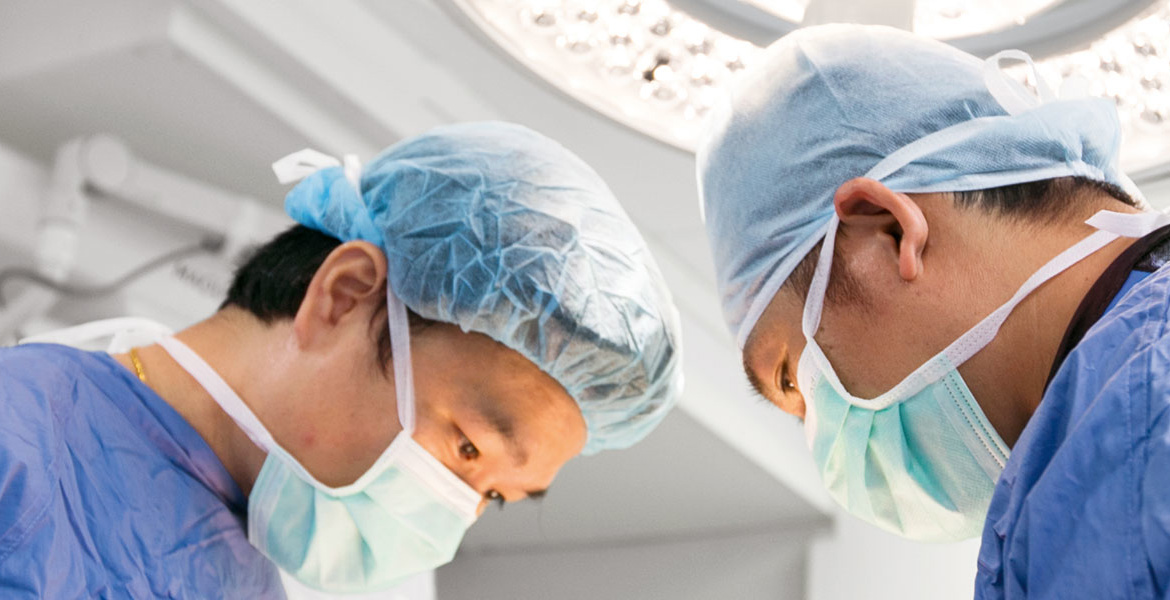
107	492
1082	509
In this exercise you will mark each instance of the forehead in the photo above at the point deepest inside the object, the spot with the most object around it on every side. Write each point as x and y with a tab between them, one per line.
518	400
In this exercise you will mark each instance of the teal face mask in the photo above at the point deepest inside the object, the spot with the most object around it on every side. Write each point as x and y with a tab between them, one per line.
405	515
920	460
924	468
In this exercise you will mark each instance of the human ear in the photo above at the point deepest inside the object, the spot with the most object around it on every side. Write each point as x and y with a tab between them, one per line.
866	203
350	278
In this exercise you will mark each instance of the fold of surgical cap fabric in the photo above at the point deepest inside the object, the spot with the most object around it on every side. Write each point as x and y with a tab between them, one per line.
504	232
826	104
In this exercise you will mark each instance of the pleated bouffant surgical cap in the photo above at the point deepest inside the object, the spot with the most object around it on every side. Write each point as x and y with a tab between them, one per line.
827	104
502	231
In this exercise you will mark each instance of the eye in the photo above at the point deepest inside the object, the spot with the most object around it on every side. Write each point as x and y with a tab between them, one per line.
785	383
494	496
467	450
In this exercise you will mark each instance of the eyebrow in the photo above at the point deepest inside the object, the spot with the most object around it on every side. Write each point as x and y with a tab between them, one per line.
506	427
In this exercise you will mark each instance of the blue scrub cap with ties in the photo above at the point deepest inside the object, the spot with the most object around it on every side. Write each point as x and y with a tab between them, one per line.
830	103
502	231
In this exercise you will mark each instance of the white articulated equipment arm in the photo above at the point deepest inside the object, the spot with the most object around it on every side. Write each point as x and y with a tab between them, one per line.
103	167
113	171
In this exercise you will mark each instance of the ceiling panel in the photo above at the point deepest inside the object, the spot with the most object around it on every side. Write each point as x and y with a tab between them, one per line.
165	106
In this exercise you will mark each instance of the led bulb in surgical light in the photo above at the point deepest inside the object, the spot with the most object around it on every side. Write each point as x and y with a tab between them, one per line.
578	39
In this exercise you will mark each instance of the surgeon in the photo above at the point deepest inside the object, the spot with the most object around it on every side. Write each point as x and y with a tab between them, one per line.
447	326
946	275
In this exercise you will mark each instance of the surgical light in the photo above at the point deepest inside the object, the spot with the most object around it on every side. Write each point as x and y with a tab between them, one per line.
658	69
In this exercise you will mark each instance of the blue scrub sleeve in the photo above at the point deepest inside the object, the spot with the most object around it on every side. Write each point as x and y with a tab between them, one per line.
1155	494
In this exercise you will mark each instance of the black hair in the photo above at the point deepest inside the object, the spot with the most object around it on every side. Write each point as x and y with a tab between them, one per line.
273	279
1044	202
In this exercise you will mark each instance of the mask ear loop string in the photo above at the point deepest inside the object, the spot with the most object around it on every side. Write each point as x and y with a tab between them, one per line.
400	348
1011	95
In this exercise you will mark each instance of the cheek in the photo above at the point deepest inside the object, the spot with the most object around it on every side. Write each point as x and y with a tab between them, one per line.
875	346
864	348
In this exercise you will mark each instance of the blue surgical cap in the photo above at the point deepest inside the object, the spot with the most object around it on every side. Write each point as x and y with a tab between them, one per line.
502	231
830	103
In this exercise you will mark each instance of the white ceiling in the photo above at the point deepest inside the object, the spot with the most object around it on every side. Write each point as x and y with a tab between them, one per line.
133	82
679	483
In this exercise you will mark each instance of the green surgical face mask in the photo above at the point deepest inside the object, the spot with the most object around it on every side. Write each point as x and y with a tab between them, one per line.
405	515
920	460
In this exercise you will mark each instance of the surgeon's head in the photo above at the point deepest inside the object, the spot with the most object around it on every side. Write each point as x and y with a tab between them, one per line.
911	273
489	414
932	180
540	326
870	197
